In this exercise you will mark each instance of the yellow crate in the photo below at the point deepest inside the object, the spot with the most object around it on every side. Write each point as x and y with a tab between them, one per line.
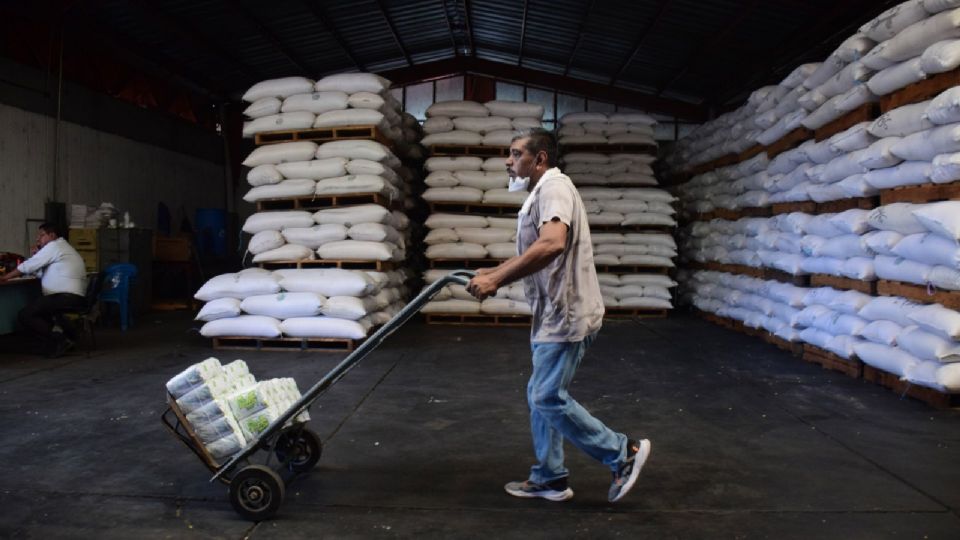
83	239
90	259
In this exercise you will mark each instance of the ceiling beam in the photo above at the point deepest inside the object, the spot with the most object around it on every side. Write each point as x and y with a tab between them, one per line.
651	24
393	31
183	28
446	16
523	31
466	14
268	34
576	44
777	63
542	79
705	46
321	16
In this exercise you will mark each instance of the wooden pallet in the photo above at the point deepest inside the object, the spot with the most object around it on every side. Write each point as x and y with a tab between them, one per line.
478	319
922	193
789	141
468	150
722	161
346	264
851	367
931	397
919	293
795	349
468	264
324	134
920	90
750	152
784	277
649	149
807	207
843	283
864	113
487	209
841	205
323	201
631	269
286	344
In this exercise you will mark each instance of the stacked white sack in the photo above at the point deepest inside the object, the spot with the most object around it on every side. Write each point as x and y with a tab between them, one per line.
915	342
601	128
621	169
470	180
469	123
609	206
636	291
298	103
454	299
464	236
304	303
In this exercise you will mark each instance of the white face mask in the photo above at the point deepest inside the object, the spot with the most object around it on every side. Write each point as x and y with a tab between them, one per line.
518	184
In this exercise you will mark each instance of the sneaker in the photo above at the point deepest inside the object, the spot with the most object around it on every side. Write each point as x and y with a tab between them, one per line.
626	476
552	491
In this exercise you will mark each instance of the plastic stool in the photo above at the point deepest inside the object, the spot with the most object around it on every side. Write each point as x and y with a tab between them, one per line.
116	289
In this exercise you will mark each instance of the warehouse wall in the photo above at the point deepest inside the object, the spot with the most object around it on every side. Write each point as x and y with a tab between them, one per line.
94	166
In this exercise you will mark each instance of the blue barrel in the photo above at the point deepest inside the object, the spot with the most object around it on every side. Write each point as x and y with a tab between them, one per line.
211	225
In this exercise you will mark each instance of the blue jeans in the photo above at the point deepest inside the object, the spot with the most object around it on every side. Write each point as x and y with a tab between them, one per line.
555	415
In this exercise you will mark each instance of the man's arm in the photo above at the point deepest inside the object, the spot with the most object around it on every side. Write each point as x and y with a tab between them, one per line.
13	274
550	244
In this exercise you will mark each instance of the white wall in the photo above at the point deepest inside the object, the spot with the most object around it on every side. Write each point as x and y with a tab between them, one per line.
94	167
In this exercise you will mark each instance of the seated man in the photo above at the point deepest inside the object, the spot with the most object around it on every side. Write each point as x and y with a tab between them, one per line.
63	280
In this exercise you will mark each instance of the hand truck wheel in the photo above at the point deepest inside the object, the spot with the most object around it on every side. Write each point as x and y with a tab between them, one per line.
256	492
299	449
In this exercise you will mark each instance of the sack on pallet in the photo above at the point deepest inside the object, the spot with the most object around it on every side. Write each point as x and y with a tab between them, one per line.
482	125
375	232
914	39
943	277
322	327
500	137
453	194
941	57
928	248
351	117
277	221
219	309
890	308
501	250
352	83
356	183
859	268
897	217
357	149
265	241
262	175
459	163
927	346
373	168
882	332
940	218
314	168
461	250
237	286
457	109
326	281
263	107
281	153
288	121
455	137
312	237
278	88
902	121
482	180
450	221
441	179
900	269
286	252
348	307
890	359
302	187
485	235
315	102
438	124
505	196
358	250
351	215
524	123
243	325
937	319
284	305
499	306
452	306
816	336
514	109
897	76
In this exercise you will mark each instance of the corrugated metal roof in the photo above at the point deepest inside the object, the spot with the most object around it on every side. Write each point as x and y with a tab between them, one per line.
704	51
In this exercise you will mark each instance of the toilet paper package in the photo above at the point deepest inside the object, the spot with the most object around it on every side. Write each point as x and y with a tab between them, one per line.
192	377
224	426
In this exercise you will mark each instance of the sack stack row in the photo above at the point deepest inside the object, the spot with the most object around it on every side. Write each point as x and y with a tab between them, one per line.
473	223
903	45
300	303
469	123
298	103
597	128
227	408
916	342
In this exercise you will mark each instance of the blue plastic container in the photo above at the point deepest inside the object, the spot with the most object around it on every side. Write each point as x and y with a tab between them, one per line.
211	226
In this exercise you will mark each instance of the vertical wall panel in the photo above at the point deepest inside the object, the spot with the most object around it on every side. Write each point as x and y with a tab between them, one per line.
94	167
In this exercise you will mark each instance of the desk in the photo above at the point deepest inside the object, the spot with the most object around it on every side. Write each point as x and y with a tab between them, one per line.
14	295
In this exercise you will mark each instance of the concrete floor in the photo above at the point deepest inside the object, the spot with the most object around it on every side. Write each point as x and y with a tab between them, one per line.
748	442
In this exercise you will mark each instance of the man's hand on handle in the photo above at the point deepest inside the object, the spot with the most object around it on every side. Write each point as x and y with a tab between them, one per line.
482	285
